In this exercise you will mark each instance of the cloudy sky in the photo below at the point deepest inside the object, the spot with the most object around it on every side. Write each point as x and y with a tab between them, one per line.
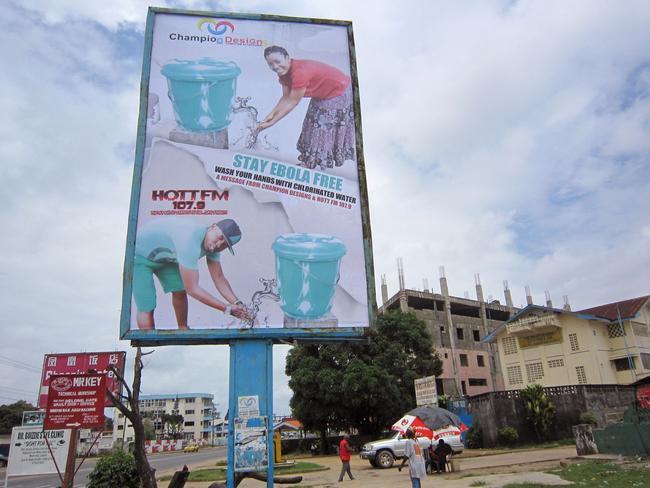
506	138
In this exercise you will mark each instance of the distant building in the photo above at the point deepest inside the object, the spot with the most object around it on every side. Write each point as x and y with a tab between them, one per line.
458	327
197	409
607	344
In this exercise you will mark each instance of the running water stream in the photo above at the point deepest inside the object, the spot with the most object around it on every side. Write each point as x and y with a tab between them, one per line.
248	136
266	293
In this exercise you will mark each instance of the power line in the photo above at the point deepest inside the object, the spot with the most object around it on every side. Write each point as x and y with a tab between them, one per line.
16	390
18	364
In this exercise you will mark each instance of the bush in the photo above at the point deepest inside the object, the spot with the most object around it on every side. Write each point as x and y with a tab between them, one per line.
508	436
588	417
115	469
474	437
540	410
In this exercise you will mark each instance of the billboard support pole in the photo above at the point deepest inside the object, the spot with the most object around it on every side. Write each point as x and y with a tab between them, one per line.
251	374
68	480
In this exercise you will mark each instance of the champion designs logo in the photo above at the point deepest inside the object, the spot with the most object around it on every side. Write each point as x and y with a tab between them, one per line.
215	27
214	31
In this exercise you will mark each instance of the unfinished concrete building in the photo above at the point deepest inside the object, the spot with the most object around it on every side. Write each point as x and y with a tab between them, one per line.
457	326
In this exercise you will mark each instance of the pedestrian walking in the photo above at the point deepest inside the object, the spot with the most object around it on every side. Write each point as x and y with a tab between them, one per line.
344	454
415	458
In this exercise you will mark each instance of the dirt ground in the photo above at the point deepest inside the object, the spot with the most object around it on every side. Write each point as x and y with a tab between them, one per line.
495	470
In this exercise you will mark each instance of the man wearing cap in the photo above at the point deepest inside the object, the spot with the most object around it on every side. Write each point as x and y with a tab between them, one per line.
170	248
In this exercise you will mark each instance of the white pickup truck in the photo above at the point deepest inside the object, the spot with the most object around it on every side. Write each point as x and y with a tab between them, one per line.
384	452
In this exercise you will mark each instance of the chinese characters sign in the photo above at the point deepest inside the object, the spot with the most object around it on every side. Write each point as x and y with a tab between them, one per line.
81	363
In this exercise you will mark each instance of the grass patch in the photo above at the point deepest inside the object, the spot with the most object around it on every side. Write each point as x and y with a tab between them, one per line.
478	483
219	474
595	474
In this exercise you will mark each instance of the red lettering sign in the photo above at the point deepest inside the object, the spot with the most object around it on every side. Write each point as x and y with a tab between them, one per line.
75	401
82	363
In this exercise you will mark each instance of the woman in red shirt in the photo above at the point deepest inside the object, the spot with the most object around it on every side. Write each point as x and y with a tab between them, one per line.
327	137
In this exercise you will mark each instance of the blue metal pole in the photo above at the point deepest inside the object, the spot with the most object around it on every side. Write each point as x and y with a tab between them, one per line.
251	374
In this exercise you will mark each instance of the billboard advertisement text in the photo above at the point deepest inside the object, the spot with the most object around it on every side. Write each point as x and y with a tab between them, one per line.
249	212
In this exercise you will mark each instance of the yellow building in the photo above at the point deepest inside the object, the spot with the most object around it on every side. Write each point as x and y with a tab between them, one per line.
608	344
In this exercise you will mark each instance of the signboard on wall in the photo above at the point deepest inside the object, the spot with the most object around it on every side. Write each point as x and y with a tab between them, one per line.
251	449
75	401
425	391
80	363
249	213
534	340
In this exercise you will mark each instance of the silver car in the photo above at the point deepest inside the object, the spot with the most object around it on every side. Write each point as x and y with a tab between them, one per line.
383	453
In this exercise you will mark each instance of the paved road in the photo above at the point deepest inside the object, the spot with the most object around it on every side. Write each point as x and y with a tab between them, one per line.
167	462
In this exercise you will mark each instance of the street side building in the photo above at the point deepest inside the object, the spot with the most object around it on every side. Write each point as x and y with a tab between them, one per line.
197	410
458	327
604	345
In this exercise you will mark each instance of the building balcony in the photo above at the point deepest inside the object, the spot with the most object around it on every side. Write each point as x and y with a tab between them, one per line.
534	324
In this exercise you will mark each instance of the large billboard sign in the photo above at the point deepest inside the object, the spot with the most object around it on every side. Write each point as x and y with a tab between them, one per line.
249	213
75	401
81	363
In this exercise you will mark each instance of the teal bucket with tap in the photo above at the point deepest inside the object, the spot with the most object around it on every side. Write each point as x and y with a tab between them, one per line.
307	269
202	92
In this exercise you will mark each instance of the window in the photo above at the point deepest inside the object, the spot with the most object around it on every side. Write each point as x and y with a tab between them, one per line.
446	355
120	427
477	335
442	329
556	363
509	345
645	360
582	376
623	364
615	329
477	382
480	361
573	340
189	412
190	400
190	423
459	333
514	375
534	372
463	360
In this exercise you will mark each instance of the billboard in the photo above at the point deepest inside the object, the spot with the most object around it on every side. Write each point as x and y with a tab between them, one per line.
249	213
81	363
29	453
75	401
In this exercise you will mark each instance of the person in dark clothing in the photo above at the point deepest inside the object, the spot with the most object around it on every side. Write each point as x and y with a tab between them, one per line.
440	454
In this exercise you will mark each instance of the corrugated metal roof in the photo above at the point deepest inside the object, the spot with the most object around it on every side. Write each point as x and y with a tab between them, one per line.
627	308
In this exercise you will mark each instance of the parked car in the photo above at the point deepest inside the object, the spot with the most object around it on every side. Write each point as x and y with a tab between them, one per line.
3	460
383	453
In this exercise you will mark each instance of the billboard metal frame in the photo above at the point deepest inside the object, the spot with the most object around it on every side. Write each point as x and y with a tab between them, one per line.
217	336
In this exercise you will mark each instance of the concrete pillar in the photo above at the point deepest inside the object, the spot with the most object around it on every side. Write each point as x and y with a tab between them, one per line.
529	297
508	295
384	290
549	302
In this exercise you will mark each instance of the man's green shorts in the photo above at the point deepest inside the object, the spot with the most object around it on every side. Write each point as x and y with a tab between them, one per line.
144	290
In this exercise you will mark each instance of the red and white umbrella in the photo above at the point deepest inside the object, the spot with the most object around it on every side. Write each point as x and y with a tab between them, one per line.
415	423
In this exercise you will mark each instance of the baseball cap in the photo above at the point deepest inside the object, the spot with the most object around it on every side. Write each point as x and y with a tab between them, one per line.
231	232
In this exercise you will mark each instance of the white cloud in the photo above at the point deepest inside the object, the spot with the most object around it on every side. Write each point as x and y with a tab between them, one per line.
506	138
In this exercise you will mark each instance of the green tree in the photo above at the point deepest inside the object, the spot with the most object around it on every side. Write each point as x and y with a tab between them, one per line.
173	424
115	469
540	410
12	415
149	429
365	385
